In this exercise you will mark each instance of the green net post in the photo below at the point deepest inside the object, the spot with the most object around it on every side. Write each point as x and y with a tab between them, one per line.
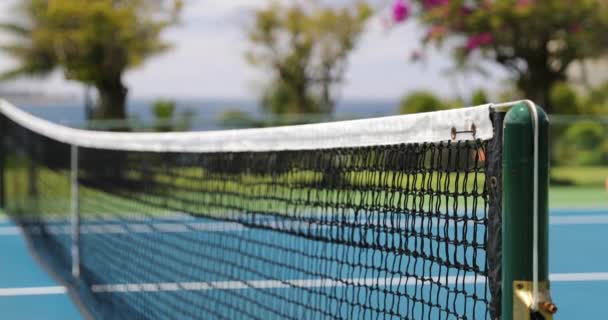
525	286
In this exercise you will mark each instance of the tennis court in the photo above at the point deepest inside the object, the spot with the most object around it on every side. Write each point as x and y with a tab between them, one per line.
579	271
374	219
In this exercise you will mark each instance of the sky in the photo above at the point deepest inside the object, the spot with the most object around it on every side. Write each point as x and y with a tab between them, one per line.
207	61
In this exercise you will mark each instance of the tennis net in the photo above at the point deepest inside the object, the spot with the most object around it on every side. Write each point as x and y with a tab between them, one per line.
396	217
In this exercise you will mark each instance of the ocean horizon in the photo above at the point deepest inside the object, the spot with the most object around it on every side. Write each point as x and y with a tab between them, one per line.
205	113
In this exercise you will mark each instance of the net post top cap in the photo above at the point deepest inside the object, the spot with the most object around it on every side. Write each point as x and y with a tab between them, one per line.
520	113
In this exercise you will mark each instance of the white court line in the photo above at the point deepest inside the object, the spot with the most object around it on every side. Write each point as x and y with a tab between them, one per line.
578	277
285	284
9	231
31	291
578	219
280	284
316	283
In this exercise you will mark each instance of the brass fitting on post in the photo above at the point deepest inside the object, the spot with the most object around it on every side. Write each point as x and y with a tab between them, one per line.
523	301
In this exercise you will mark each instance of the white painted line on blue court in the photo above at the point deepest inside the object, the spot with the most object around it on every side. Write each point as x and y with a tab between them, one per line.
286	284
31	291
282	284
578	277
9	231
316	283
579	209
578	219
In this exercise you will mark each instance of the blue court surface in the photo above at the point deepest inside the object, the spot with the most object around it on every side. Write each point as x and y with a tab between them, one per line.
578	265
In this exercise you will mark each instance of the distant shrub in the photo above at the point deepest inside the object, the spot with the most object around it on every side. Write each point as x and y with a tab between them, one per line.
583	143
163	115
163	109
479	97
232	118
564	99
421	101
597	100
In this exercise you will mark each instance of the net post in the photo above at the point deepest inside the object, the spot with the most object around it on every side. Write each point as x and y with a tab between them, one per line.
75	214
525	278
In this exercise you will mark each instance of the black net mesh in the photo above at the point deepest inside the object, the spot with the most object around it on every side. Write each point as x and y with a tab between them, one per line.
383	232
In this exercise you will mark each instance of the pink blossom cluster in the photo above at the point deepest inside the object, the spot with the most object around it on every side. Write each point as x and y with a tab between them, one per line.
401	8
478	40
401	11
434	3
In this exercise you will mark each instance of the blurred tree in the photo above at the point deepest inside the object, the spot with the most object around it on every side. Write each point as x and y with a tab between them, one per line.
278	100
420	101
564	99
597	101
583	143
479	97
93	42
536	40
166	117
306	47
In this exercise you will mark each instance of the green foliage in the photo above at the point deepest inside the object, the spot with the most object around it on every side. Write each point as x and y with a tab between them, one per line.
583	144
163	109
564	99
421	101
305	46
597	102
479	97
166	119
535	40
586	135
278	99
93	41
233	118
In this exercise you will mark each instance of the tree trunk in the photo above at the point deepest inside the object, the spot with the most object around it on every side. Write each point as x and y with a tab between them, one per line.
538	80
303	104
327	103
112	100
537	87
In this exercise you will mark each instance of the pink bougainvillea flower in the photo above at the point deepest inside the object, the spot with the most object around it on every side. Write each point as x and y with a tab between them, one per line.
401	11
523	3
434	3
478	40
